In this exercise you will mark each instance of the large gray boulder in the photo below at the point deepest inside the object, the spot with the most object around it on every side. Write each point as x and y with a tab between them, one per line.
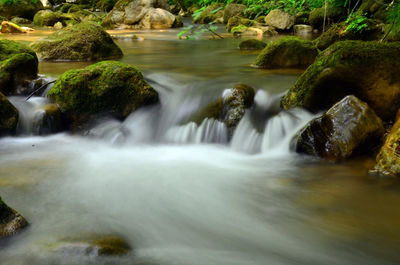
279	19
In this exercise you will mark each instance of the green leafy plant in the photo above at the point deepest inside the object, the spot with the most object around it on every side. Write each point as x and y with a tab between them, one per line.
357	22
192	32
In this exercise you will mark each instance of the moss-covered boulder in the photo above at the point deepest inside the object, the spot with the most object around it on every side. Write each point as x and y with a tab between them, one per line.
48	18
368	70
333	14
287	52
388	159
229	109
48	120
8	118
232	10
10	220
21	21
108	87
20	8
91	245
9	27
18	63
279	19
82	42
252	44
348	128
339	32
237	21
209	14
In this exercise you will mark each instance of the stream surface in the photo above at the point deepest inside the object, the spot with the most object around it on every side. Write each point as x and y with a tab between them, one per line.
186	194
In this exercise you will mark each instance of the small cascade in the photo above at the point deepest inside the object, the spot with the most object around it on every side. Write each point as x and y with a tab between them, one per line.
246	138
32	118
209	131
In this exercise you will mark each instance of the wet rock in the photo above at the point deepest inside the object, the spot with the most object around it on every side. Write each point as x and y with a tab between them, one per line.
8	120
82	42
108	87
20	8
301	29
232	10
130	13
51	121
11	221
339	32
287	52
349	126
21	21
210	14
9	27
92	246
237	21
368	70
279	19
48	18
18	63
333	14
229	109
252	44
388	159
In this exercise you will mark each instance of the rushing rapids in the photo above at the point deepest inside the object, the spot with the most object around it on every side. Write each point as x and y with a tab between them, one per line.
186	193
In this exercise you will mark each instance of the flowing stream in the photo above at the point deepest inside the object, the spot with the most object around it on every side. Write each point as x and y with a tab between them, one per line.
188	194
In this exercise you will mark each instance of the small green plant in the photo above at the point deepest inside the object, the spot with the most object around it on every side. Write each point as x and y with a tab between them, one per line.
192	32
357	22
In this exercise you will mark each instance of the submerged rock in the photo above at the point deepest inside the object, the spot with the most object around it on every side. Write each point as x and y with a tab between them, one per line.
10	220
287	52
93	246
388	159
20	8
229	109
107	87
340	132
368	70
18	63
82	42
252	44
8	118
9	27
279	19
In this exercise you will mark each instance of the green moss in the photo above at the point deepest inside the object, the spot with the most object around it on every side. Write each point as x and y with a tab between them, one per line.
369	70
236	21
108	86
48	18
8	47
333	14
8	119
83	42
20	8
252	44
289	52
238	30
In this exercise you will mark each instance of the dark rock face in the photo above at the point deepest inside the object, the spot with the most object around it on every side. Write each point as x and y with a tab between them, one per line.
8	116
368	70
20	8
344	129
107	87
287	52
232	10
333	14
10	221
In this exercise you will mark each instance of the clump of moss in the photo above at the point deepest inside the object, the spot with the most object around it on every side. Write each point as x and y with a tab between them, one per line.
106	87
287	52
82	42
236	21
368	70
252	44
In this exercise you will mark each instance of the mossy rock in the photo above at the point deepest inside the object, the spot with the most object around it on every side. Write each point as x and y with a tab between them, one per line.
52	120
8	117
91	245
11	221
232	10
20	8
388	159
229	109
236	21
349	128
48	18
374	9
18	63
287	52
252	44
82	42
209	14
339	32
333	15
21	21
107	87
368	70
238	30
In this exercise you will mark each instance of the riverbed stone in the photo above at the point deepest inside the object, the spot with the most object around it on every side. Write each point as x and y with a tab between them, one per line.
279	19
345	129
368	70
229	109
21	21
11	221
18	64
8	118
20	8
232	10
48	18
9	27
82	42
157	18
287	52
252	44
107	87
